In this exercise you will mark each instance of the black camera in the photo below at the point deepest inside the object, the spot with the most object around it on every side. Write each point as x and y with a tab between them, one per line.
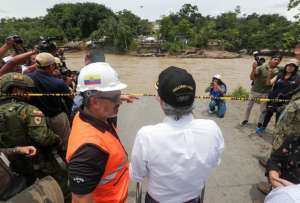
258	59
17	39
47	45
65	71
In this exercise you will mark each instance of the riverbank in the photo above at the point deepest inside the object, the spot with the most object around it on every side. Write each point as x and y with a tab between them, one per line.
193	53
187	53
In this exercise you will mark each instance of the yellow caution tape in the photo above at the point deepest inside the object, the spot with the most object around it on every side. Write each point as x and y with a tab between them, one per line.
226	98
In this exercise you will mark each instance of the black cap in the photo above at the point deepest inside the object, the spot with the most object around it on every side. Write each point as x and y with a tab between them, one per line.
176	87
276	55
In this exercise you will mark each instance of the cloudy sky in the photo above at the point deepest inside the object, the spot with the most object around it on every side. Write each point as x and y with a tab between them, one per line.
150	9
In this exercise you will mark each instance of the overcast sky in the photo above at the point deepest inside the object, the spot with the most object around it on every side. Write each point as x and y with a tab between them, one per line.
150	9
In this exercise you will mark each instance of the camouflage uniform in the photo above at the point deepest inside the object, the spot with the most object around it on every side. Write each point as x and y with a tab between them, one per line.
289	122
22	124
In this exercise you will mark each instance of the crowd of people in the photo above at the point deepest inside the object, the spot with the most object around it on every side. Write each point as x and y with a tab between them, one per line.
48	131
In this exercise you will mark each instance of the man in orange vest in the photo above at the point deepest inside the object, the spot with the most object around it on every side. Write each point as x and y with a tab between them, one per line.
98	164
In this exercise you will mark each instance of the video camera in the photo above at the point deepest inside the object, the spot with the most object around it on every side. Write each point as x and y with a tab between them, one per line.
16	38
259	60
47	45
18	43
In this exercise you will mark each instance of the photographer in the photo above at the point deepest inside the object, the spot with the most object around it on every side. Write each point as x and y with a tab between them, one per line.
217	89
283	84
54	107
13	63
260	88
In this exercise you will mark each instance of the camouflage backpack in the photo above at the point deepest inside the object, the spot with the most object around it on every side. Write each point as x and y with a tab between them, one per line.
12	130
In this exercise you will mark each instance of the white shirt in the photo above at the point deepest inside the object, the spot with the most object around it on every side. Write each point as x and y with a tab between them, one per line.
289	194
176	157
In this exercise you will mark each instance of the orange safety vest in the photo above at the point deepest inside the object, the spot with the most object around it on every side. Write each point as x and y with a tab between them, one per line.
113	186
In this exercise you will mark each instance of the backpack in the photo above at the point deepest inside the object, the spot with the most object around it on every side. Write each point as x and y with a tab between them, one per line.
11	128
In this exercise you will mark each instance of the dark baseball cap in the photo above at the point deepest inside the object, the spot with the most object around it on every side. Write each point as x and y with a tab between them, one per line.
176	87
276	55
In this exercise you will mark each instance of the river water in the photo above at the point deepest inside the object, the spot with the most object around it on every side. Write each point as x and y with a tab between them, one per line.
141	73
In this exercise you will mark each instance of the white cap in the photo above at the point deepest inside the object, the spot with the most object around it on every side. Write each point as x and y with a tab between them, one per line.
99	76
217	76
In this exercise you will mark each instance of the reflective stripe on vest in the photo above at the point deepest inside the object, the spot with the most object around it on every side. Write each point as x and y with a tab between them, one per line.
111	176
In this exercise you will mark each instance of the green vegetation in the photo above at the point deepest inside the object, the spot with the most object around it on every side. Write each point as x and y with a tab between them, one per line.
178	31
80	21
234	30
240	92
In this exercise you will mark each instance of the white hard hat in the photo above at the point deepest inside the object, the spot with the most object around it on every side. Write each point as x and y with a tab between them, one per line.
100	77
217	76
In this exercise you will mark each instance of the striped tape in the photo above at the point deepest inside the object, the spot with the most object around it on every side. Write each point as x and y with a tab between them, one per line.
226	98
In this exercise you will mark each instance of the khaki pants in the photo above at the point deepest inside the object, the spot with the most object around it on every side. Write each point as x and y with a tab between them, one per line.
60	125
262	106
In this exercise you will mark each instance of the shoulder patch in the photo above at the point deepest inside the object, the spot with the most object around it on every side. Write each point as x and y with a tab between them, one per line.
38	120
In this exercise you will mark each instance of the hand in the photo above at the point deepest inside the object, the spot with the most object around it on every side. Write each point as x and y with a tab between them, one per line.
272	176
128	98
283	181
254	65
10	41
215	85
35	50
27	150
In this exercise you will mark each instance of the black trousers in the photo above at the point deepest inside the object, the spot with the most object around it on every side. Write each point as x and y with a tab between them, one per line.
270	110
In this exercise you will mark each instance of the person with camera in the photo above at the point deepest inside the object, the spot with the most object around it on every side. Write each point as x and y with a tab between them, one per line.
283	84
216	90
14	42
14	63
54	107
260	88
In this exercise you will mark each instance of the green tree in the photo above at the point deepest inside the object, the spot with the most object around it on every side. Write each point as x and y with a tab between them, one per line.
77	20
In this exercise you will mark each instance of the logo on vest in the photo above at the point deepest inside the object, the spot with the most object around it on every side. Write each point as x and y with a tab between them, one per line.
78	180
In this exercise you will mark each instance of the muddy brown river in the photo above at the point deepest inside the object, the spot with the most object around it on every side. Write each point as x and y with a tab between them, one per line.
140	73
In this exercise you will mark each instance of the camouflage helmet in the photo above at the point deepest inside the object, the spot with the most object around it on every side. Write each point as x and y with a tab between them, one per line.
15	80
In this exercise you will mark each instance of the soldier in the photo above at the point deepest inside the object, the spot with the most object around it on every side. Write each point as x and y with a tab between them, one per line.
22	124
287	128
289	122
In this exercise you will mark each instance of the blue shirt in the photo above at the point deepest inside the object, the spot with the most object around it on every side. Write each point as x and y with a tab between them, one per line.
46	83
215	93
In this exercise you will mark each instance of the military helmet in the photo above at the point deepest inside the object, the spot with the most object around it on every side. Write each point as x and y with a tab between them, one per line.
15	80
